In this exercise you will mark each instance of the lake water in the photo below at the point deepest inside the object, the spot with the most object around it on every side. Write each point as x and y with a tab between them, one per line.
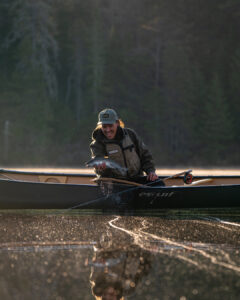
168	254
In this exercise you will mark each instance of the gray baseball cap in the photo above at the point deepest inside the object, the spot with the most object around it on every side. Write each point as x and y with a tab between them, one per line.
107	116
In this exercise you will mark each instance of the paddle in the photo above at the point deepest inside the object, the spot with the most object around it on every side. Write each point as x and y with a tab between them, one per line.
131	189
116	180
187	176
187	179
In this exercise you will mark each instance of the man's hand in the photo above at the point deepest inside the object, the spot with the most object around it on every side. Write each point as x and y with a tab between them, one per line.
100	167
152	176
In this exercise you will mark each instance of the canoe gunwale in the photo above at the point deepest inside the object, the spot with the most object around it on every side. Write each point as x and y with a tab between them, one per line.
24	172
143	187
46	173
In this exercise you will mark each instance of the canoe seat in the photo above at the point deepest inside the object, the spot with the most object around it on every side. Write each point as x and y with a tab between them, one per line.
53	179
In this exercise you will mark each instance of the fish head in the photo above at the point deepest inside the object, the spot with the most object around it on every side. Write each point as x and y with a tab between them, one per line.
94	162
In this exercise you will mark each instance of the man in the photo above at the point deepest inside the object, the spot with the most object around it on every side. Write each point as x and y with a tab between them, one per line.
122	145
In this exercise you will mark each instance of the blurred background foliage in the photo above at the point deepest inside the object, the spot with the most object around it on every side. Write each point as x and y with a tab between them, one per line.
170	68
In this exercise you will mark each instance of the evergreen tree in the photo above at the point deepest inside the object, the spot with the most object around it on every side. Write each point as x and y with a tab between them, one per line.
234	94
179	102
96	57
32	35
217	130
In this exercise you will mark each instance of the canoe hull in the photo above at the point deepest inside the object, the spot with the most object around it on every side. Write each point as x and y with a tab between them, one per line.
32	195
190	197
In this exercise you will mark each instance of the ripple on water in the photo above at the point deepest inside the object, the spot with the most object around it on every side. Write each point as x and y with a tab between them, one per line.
170	254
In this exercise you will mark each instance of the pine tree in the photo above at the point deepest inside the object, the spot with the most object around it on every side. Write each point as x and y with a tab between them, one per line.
96	59
179	100
32	34
234	93
217	129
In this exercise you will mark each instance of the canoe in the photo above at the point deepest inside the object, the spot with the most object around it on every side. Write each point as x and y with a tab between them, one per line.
53	190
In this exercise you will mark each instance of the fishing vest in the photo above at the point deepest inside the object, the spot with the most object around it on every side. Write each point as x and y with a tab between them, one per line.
125	155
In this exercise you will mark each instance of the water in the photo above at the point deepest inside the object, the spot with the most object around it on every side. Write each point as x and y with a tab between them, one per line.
79	255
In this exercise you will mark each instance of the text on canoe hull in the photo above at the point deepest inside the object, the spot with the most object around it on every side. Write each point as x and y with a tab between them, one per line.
156	195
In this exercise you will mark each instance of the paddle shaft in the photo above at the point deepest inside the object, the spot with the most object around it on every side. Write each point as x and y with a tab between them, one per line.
128	190
139	184
117	180
169	177
177	175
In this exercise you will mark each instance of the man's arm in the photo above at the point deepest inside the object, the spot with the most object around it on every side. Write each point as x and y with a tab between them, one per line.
98	150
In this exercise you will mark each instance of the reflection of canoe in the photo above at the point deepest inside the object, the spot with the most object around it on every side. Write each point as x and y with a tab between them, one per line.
24	189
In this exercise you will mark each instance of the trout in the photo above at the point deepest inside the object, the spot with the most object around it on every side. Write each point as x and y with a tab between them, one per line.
110	164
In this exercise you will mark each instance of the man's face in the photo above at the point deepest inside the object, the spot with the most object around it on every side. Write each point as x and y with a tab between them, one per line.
110	130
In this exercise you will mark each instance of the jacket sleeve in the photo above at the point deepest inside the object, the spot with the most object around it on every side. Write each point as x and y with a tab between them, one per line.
145	155
98	150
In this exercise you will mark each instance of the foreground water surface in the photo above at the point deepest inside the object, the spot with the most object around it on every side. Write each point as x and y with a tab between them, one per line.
170	254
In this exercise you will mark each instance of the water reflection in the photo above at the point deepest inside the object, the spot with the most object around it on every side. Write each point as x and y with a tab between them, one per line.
176	255
119	269
201	252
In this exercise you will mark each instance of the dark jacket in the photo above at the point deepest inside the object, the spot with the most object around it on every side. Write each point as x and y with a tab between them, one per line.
98	149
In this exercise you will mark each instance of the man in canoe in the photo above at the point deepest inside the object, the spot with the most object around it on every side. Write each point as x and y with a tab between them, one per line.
120	145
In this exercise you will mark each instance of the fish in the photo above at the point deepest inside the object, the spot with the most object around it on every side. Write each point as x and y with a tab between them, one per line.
110	164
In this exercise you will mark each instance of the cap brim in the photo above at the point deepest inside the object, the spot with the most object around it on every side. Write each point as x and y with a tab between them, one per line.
106	122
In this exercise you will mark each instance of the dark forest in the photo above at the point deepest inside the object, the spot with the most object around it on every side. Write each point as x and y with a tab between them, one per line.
170	68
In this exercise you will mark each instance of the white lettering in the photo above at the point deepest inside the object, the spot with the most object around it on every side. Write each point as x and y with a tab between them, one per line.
159	194
113	151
